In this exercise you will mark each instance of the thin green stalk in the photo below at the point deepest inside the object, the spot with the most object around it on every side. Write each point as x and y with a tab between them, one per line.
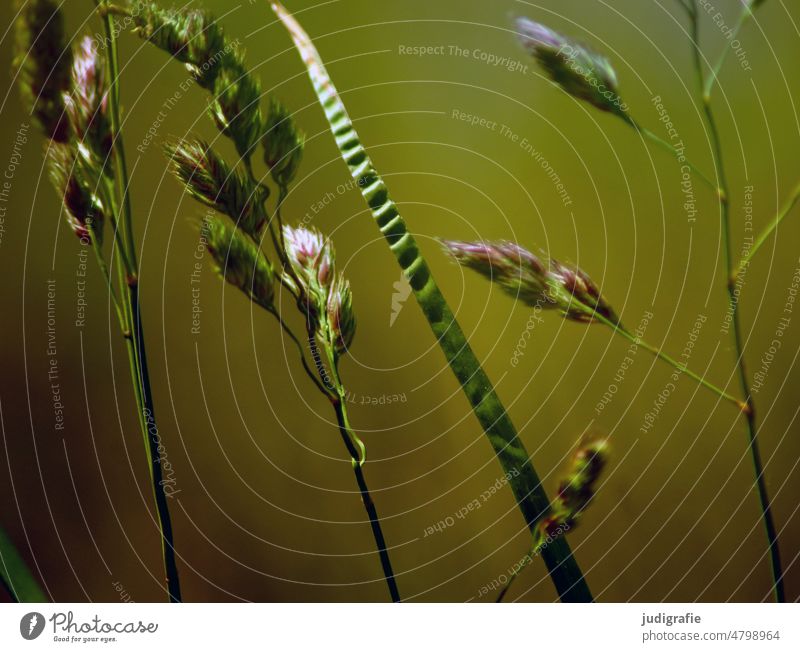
355	447
509	449
755	453
514	574
120	161
15	575
154	447
766	233
708	85
301	351
348	436
101	263
663	144
137	358
621	330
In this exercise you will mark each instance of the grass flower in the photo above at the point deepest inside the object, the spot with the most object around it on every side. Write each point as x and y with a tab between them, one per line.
523	275
87	102
341	319
323	294
575	491
209	179
44	59
194	38
283	144
582	73
578	487
239	261
76	187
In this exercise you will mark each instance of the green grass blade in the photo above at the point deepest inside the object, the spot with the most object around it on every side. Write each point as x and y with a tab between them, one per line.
530	496
16	576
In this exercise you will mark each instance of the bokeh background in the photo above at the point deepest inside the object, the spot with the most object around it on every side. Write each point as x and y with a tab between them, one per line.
267	509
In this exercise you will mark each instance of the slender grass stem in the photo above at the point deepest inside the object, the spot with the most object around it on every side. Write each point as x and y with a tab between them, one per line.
128	278
15	575
515	573
349	437
154	447
663	144
621	330
708	85
766	233
355	447
101	263
307	368
118	150
752	430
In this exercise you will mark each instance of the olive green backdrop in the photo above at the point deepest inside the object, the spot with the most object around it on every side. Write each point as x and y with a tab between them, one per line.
266	508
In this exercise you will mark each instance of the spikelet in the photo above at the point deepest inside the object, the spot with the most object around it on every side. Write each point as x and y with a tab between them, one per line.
194	38
324	296
44	60
577	488
578	70
523	275
239	261
209	179
75	184
283	144
87	102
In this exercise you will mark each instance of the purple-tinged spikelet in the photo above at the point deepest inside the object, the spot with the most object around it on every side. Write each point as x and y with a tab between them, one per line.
76	187
576	489
324	295
311	258
341	318
87	102
523	275
576	295
578	70
44	59
209	179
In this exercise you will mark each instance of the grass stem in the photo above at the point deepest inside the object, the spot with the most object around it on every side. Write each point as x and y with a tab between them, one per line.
348	436
15	575
755	453
621	330
663	144
125	248
766	233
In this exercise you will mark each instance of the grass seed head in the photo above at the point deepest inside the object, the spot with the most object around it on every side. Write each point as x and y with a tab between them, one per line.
578	70
194	38
76	185
283	144
44	60
209	179
239	261
311	257
578	487
235	105
87	101
324	296
340	315
523	275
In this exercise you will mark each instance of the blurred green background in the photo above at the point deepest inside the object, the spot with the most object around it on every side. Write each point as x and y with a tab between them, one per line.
267	509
